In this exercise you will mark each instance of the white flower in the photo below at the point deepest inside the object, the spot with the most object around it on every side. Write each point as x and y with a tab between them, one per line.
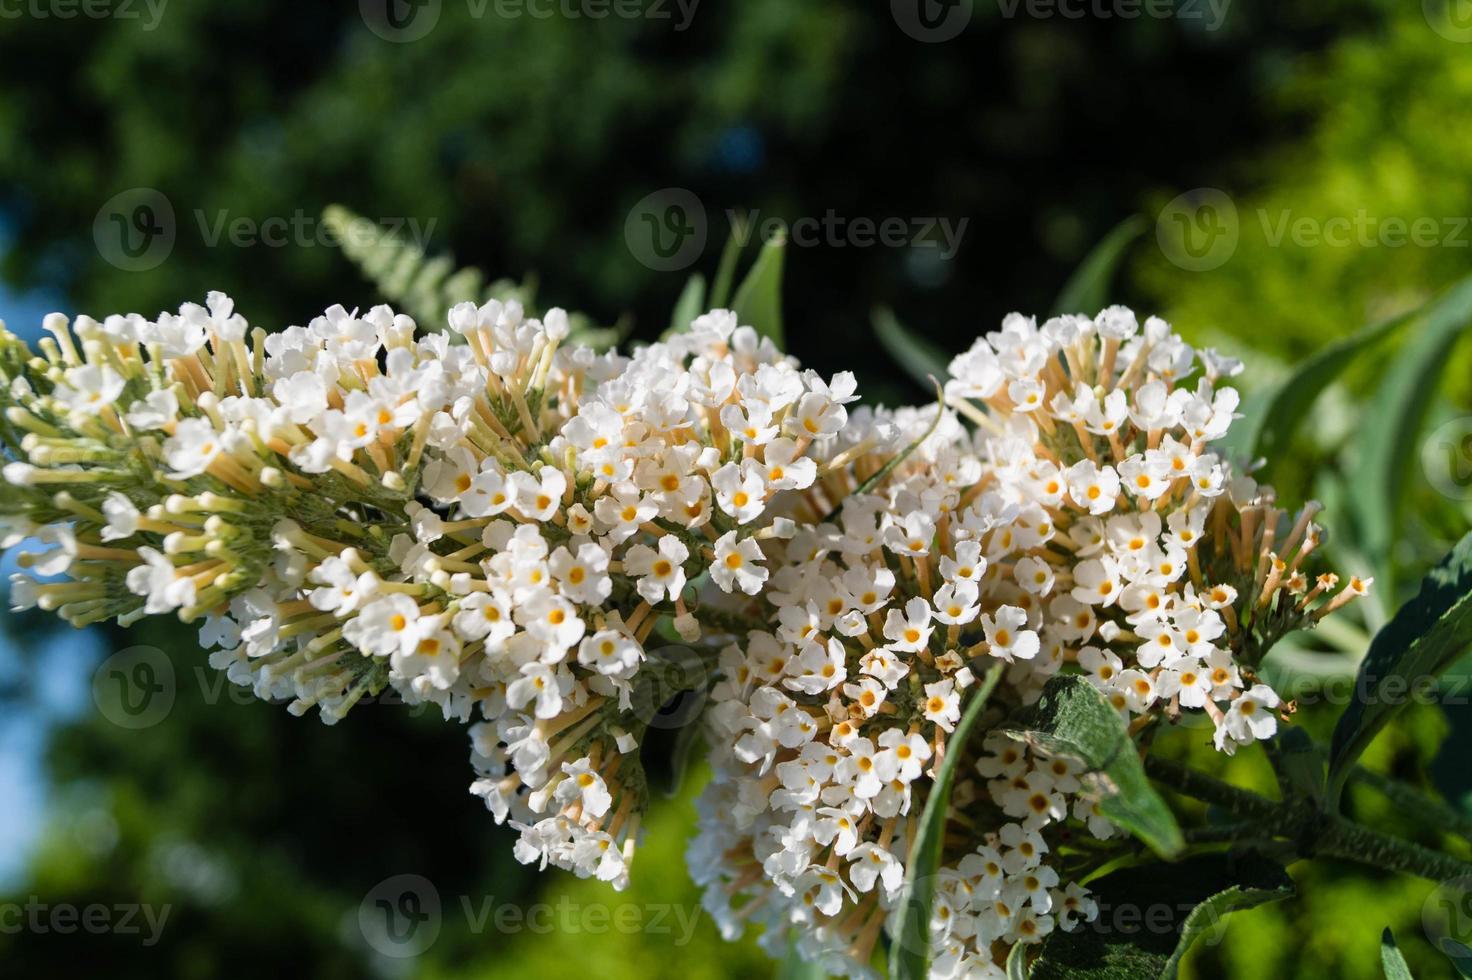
737	564
661	573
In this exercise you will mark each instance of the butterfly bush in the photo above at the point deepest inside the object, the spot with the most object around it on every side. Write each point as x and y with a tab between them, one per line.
494	526
1083	522
519	530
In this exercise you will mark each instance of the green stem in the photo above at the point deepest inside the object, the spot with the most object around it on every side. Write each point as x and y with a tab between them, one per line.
1414	803
1312	831
1209	789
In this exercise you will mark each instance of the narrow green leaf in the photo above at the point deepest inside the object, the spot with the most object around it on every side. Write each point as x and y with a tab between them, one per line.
1087	290
1074	719
758	301
1391	958
1267	428
909	955
918	357
689	306
1140	933
1422	639
720	291
1017	962
1387	437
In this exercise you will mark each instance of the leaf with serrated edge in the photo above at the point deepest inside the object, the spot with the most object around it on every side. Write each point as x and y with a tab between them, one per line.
1074	719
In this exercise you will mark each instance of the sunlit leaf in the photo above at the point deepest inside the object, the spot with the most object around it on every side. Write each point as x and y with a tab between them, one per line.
758	302
909	955
689	306
1074	719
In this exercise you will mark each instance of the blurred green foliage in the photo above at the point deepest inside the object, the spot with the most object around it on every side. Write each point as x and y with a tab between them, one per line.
520	145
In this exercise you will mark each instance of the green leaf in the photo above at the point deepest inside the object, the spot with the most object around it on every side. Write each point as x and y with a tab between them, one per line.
1391	959
758	301
424	287
1017	962
720	291
1140	932
1387	437
1087	290
1074	719
918	357
909	955
689	306
1268	426
1422	639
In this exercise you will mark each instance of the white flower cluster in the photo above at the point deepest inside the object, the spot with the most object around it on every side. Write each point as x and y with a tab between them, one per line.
513	526
1084	523
495	526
